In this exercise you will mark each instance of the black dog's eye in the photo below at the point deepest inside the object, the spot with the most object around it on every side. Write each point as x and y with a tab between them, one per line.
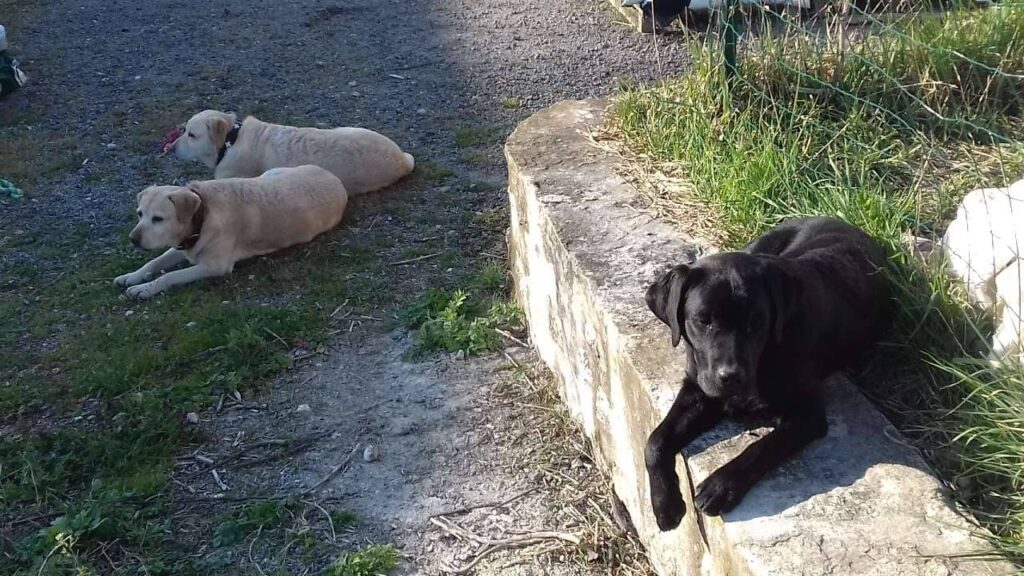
158	219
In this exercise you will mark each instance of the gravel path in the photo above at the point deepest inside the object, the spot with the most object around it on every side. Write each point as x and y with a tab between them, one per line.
116	72
447	80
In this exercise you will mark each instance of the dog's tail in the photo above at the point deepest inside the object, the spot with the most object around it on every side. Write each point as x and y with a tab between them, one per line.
409	161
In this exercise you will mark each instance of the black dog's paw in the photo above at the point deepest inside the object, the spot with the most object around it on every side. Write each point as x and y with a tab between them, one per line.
669	513
718	494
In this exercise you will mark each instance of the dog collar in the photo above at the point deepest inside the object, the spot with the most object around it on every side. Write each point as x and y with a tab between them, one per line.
197	226
229	140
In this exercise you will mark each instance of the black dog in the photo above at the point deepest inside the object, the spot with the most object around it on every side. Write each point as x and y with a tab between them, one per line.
763	328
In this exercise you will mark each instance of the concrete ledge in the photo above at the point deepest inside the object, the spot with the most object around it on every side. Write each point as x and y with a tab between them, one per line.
857	502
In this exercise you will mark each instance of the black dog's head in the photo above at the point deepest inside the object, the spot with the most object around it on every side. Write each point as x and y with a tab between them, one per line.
727	308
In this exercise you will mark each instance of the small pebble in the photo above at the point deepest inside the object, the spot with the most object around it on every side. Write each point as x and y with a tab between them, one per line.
421	111
111	146
371	454
192	418
356	94
303	408
460	355
352	83
128	313
190	325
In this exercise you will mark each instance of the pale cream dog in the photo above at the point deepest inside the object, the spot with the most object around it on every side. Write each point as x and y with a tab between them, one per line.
362	159
983	247
215	223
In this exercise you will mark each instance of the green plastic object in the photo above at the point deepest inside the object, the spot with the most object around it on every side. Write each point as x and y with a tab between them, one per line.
7	188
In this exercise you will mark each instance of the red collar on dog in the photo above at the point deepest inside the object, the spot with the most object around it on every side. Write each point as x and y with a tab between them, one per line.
229	141
197	226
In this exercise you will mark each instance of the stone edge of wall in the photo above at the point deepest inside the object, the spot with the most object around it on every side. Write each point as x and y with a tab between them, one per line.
583	251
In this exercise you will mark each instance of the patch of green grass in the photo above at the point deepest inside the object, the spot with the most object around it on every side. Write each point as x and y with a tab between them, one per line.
888	134
511	103
491	277
28	157
373	560
475	156
344	519
431	172
264	515
477	135
117	378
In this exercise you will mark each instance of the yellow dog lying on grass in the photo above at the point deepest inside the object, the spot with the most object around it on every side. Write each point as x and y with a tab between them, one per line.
215	223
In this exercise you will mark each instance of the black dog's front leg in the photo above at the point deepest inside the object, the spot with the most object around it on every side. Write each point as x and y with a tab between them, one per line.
727	486
692	414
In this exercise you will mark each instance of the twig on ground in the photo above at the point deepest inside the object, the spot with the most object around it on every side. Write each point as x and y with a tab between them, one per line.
251	559
330	521
279	339
496	504
206	352
417	259
414	66
341	467
511	337
216	478
31	519
490	546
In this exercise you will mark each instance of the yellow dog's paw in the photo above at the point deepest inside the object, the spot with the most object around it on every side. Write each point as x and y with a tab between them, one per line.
125	280
142	291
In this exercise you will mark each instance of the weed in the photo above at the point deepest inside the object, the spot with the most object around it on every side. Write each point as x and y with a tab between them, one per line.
373	560
511	103
460	319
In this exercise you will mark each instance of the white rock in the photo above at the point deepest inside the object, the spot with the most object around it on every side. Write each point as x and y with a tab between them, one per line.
303	408
192	418
371	454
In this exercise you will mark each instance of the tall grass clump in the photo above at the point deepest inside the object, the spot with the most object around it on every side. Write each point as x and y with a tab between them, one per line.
886	126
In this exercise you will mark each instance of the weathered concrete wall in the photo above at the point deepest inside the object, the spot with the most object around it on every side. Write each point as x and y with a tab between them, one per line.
857	502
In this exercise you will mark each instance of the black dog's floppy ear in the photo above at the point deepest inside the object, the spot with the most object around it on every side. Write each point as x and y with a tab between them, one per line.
665	298
785	293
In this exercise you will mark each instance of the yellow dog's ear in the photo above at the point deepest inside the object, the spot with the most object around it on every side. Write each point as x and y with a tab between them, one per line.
218	129
145	191
186	203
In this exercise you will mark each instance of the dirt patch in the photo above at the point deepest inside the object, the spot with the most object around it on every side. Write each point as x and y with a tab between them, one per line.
444	437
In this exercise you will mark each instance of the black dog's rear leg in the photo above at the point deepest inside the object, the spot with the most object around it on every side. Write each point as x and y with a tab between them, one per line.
727	486
692	413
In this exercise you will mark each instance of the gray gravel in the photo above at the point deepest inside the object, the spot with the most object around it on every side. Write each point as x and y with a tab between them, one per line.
105	71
